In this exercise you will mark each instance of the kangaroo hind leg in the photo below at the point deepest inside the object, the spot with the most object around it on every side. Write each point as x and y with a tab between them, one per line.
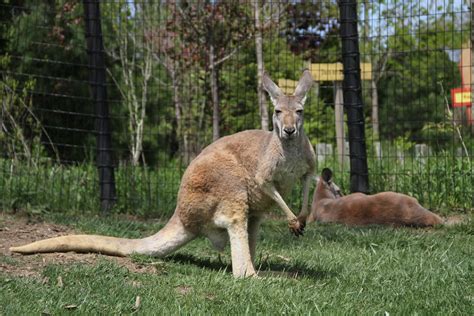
242	265
234	218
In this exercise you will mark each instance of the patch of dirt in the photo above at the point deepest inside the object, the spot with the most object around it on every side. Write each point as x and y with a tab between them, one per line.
18	230
184	289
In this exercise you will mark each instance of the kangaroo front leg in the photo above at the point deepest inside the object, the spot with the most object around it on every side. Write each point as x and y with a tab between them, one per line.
242	265
294	224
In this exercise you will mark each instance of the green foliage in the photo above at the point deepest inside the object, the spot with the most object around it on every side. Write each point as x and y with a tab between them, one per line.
20	133
440	134
403	143
439	182
47	42
44	65
73	189
319	121
331	270
410	95
313	30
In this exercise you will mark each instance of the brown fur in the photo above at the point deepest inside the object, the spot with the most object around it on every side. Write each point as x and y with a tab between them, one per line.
226	190
386	208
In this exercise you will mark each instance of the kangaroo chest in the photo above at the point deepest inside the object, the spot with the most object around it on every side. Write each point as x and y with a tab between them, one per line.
288	171
285	173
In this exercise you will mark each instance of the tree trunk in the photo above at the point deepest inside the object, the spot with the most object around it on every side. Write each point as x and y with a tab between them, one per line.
339	121
373	82
375	110
262	103
214	95
178	111
367	25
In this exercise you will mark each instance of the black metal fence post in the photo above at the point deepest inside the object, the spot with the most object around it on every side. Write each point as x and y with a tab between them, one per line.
97	79
352	88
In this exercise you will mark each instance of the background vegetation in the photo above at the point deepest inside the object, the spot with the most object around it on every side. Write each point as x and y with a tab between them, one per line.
181	74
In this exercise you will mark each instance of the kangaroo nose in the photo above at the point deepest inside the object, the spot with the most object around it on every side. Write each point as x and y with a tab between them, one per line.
289	130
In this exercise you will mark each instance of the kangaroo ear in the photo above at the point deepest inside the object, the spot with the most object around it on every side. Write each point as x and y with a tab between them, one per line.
273	90
305	83
326	175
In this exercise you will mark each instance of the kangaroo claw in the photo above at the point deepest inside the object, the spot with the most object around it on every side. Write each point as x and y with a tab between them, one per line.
296	227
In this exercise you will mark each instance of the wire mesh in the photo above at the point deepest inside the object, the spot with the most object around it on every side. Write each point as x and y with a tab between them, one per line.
182	73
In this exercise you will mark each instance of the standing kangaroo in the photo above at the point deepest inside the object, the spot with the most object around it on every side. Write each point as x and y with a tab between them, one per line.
226	190
385	208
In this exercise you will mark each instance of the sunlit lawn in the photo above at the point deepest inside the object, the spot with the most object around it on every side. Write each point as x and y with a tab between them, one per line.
332	269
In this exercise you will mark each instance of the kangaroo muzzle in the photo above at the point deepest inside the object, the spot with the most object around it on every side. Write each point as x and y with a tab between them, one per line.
289	131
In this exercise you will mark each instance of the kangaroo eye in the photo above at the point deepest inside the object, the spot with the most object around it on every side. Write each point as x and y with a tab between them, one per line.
277	111
299	112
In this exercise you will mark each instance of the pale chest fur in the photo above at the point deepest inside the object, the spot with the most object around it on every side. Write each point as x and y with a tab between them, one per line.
289	169
284	170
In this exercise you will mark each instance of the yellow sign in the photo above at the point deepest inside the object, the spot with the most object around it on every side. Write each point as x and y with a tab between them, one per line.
288	86
462	97
334	71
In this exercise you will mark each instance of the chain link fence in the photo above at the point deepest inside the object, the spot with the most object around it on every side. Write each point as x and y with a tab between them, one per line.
105	103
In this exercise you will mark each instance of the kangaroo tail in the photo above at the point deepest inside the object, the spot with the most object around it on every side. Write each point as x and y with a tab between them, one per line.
171	237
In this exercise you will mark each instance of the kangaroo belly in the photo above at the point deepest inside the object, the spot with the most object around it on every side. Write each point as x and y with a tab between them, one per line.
259	201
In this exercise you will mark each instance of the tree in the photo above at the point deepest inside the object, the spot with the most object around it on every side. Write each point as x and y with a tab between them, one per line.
20	129
409	57
268	15
410	94
218	28
262	103
133	50
312	34
178	59
375	52
313	30
47	39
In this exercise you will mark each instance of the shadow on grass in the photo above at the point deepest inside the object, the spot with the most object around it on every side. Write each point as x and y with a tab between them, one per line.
266	269
294	270
202	263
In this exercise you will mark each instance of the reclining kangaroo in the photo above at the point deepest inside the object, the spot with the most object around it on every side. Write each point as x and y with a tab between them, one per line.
386	208
225	191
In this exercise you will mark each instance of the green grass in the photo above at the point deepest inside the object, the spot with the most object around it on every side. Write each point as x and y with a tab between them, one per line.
339	270
74	189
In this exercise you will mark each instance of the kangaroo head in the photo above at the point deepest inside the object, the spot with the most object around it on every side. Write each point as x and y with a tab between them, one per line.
326	188
288	109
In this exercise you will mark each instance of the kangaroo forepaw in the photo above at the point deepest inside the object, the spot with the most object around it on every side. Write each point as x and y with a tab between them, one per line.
297	226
